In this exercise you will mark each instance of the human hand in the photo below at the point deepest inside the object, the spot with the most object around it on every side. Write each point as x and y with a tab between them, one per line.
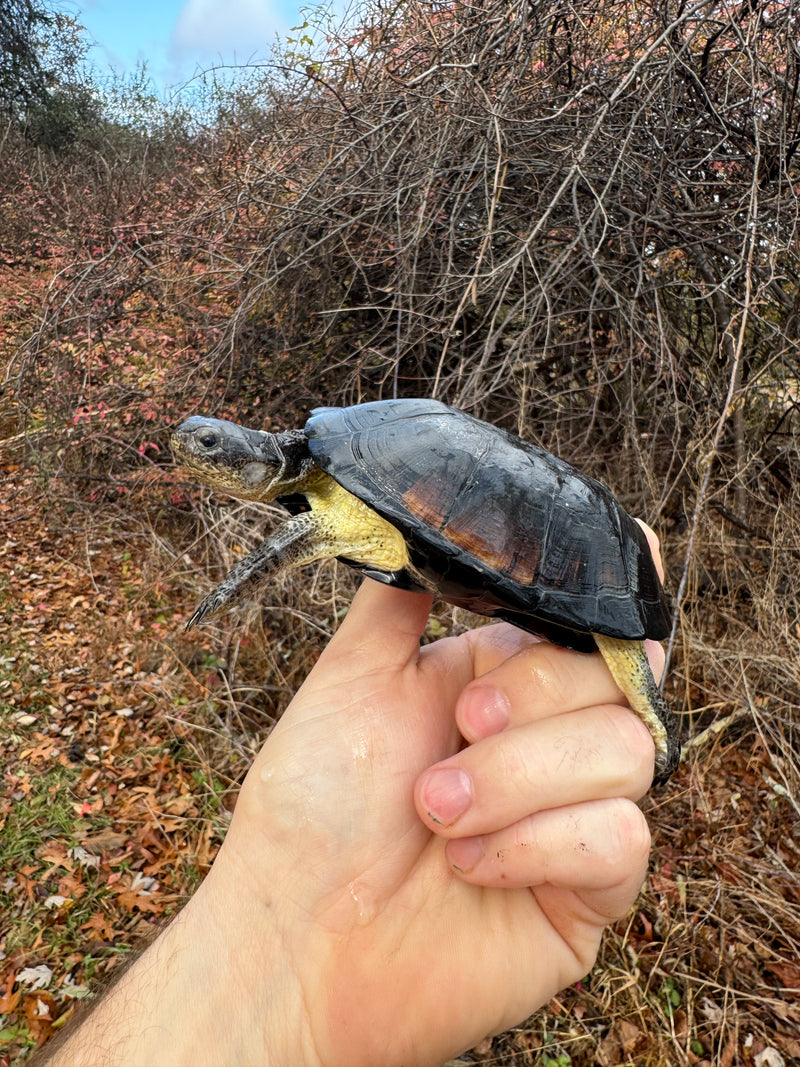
427	848
415	932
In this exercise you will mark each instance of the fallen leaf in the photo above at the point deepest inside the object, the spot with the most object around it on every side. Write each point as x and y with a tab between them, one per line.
36	977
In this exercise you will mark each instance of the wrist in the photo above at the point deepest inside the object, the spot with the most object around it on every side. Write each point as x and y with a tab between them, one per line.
257	1011
215	988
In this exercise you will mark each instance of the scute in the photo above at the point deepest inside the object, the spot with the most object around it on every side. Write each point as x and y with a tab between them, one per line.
498	525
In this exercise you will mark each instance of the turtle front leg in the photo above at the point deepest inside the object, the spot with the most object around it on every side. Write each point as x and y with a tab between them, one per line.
338	524
294	543
630	668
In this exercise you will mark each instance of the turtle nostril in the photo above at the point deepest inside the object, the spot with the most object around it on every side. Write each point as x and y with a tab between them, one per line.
208	440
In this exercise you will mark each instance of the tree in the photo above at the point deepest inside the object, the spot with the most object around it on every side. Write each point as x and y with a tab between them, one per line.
43	89
23	79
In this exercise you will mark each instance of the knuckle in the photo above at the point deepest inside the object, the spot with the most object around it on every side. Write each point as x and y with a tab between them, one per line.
547	681
634	744
626	843
517	763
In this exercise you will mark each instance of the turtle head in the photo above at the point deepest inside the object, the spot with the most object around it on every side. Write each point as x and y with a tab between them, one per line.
250	464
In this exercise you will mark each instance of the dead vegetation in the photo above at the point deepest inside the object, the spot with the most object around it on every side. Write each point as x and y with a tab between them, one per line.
578	220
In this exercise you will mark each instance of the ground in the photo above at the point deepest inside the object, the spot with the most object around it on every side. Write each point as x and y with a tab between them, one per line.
108	816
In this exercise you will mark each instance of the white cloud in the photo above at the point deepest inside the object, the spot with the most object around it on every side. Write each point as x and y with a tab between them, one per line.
222	27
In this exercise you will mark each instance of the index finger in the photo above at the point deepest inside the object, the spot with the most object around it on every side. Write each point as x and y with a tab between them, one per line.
538	682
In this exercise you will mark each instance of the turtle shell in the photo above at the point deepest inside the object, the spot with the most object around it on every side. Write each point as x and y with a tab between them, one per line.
495	524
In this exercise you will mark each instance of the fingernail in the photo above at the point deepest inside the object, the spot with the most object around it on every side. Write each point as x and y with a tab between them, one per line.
446	794
464	853
484	711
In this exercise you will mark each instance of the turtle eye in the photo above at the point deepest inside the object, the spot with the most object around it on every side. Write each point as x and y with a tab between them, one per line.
208	440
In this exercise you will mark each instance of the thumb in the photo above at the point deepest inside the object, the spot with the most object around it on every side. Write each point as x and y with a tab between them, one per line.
381	631
377	640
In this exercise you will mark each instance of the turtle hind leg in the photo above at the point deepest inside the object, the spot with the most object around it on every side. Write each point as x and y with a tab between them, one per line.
293	543
630	668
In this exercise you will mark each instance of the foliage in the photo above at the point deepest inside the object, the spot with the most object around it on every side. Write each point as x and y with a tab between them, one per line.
57	102
23	80
44	90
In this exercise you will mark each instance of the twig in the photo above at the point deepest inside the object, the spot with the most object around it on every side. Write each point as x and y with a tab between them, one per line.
713	731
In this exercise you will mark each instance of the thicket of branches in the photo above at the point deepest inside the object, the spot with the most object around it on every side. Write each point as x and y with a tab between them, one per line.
585	208
579	219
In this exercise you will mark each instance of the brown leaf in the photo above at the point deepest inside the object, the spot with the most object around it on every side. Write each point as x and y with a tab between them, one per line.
55	852
9	1000
787	973
789	1045
728	1053
129	899
104	840
181	805
629	1035
608	1051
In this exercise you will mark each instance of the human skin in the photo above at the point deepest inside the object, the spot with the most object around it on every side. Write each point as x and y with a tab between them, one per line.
427	848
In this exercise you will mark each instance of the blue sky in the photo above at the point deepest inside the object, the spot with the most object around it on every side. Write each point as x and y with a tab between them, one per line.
176	37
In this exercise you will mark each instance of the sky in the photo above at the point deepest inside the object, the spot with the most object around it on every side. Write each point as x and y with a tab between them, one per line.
176	37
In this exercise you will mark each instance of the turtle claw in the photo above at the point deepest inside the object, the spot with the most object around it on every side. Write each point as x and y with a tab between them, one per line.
205	609
195	620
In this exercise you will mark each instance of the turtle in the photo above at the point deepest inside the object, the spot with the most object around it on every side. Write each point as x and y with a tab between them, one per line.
425	497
